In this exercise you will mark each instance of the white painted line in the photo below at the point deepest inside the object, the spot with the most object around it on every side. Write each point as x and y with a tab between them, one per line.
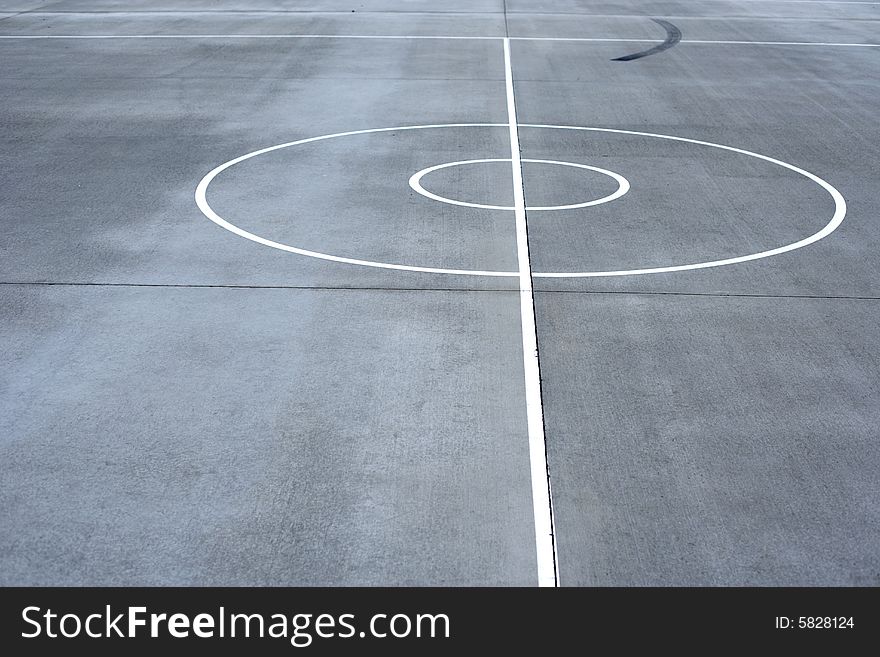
202	202
830	227
453	14
780	43
415	181
806	2
718	42
247	36
441	37
541	498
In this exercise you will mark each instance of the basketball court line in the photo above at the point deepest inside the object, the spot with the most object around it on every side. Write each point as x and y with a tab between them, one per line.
803	2
208	211
542	499
545	539
830	227
416	185
426	37
48	37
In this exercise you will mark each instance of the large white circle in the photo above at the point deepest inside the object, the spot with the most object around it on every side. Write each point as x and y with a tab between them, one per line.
830	227
415	182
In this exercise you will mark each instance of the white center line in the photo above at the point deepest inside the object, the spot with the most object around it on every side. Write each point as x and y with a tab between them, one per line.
542	500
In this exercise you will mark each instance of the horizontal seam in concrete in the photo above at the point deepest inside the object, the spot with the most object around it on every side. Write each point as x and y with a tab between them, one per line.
368	288
197	286
717	295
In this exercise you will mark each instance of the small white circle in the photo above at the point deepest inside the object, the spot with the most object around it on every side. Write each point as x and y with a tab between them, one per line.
415	182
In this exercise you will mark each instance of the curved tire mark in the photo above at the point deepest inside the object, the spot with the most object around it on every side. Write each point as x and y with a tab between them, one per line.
673	36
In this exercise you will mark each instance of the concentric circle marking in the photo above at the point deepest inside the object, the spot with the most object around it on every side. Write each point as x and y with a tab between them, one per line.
416	184
830	227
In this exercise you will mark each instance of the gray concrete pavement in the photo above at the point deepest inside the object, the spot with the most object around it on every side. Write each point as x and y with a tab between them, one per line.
262	437
712	441
179	405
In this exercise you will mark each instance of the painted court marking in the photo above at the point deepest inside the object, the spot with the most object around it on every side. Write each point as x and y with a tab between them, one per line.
427	36
622	185
542	500
202	202
830	227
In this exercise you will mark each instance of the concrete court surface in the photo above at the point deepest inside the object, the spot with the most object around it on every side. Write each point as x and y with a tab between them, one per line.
180	405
